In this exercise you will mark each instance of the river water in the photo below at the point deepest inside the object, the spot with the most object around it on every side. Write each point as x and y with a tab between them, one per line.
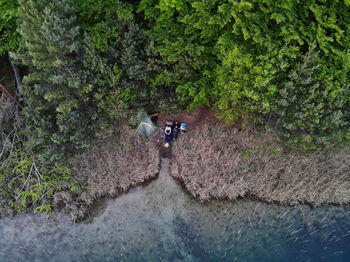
160	222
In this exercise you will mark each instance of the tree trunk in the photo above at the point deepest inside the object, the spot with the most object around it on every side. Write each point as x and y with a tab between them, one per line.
18	78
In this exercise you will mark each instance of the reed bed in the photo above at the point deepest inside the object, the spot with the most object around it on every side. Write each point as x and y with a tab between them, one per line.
222	162
111	167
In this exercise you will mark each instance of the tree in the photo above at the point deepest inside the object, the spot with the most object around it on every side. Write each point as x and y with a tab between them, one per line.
119	39
70	89
233	55
243	48
188	53
8	24
307	114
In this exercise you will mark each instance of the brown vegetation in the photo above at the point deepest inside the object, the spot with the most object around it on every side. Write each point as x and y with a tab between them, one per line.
112	167
224	162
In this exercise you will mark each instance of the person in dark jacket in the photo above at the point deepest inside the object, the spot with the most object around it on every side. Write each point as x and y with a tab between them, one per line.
169	134
176	129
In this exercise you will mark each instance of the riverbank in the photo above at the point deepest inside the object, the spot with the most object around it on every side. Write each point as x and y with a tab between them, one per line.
216	161
223	162
110	167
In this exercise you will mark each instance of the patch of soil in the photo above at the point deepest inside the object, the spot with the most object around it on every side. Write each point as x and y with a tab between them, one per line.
194	119
6	76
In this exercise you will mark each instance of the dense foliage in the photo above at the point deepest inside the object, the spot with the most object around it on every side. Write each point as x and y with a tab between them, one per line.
238	55
26	183
91	63
73	93
306	112
8	24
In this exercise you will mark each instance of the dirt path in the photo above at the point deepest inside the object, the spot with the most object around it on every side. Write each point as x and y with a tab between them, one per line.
194	119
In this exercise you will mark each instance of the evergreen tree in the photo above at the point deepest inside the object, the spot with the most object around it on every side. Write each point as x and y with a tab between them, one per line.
128	52
111	27
308	115
70	88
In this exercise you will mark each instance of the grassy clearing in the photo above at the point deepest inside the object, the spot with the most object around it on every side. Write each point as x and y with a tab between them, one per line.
224	162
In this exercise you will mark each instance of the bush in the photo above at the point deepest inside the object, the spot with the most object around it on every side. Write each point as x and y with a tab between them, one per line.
29	185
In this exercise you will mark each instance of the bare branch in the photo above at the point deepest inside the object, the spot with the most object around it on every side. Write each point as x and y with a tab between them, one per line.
5	143
11	96
28	177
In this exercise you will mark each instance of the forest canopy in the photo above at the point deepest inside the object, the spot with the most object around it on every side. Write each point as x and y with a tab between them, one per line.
285	61
8	25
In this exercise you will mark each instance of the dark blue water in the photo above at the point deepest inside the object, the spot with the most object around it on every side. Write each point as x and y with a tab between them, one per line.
160	222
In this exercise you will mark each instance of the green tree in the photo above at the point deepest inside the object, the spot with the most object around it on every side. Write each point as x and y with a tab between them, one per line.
235	52
119	39
69	88
307	114
233	55
99	18
8	24
189	54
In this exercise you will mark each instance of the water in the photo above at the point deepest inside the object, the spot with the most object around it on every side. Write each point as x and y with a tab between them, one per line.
160	222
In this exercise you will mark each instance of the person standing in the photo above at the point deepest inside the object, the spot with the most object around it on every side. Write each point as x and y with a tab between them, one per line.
176	129
169	135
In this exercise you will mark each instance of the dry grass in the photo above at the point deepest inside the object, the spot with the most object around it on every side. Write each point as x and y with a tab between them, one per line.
113	167
223	162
